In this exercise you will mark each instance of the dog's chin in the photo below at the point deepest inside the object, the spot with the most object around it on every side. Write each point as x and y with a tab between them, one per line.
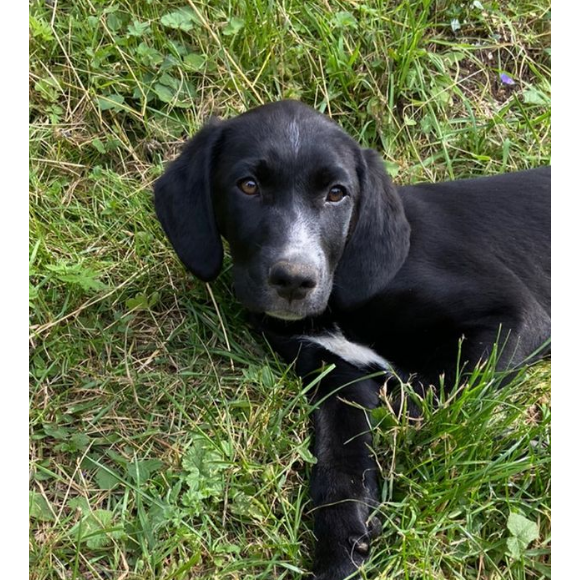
267	302
286	312
286	315
295	311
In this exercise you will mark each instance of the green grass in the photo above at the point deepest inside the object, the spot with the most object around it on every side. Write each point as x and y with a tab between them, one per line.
167	441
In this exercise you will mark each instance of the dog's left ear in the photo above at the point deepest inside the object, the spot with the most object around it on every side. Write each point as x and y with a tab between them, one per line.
379	241
184	206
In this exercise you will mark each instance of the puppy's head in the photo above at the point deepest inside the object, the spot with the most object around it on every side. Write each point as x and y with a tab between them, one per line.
307	213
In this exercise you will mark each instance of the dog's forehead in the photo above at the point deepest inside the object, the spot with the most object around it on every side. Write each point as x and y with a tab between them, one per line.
287	133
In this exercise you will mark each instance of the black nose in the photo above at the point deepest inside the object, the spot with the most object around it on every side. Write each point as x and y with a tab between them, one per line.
292	281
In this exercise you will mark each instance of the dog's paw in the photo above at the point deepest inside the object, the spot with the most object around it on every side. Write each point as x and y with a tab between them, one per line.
344	532
362	543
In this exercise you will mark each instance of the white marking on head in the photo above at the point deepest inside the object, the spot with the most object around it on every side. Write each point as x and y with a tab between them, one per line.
294	135
352	352
303	240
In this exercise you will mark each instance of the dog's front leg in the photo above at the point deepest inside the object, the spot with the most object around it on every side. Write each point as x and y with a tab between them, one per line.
344	484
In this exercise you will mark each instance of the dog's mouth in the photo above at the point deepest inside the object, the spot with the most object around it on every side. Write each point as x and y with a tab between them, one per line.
286	315
282	299
276	307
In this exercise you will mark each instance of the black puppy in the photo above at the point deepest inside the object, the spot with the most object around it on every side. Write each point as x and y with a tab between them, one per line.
347	269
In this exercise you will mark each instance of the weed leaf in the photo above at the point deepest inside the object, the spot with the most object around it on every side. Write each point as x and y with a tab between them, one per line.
233	26
97	530
183	19
523	532
106	478
141	470
39	508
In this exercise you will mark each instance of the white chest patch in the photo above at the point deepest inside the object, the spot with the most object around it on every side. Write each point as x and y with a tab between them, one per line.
352	352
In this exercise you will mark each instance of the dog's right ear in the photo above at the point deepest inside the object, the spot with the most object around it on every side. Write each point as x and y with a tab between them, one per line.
184	206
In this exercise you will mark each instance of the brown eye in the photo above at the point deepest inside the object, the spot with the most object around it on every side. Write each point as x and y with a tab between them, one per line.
336	194
248	186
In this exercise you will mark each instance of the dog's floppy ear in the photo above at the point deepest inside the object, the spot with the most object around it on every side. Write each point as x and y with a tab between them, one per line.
184	206
379	241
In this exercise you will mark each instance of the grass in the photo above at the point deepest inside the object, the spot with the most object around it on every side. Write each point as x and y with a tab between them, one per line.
166	440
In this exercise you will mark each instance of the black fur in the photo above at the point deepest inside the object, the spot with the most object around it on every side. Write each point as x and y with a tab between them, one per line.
409	272
182	198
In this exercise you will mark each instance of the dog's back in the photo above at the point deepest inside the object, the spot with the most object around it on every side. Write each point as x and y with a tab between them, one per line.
503	220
